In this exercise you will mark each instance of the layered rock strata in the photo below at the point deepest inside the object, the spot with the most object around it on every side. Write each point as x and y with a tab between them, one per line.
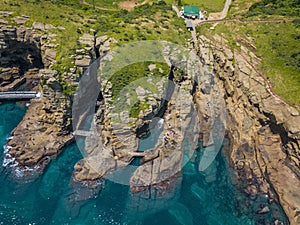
114	144
264	131
43	132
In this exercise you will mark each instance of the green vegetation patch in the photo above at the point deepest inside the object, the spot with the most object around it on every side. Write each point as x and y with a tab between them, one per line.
137	108
240	7
132	77
148	22
134	72
110	4
278	46
289	8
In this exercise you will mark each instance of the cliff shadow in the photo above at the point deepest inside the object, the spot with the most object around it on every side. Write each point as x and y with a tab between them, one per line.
23	55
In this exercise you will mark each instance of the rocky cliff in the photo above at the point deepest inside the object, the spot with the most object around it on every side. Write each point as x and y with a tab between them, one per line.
113	143
264	131
27	53
27	58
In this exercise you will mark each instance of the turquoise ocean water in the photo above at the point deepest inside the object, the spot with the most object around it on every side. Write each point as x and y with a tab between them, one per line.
200	198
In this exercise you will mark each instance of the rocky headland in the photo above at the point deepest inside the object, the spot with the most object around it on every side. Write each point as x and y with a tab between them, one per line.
263	131
27	56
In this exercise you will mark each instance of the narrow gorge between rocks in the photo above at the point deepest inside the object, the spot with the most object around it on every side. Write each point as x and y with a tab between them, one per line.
253	179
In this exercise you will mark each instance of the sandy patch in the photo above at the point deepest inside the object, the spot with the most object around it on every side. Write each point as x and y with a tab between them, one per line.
128	5
214	16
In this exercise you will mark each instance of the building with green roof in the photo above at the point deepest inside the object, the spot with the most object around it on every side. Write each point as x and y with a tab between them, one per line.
191	11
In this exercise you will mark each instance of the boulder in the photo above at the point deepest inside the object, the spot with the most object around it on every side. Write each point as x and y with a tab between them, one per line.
83	62
21	19
38	26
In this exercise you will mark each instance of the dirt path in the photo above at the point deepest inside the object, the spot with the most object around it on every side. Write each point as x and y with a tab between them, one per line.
128	5
221	15
175	8
216	21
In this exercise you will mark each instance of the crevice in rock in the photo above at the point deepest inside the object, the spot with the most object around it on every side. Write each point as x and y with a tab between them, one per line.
277	128
287	144
144	129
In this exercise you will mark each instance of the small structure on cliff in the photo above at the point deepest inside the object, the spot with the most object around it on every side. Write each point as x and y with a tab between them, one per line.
19	95
191	12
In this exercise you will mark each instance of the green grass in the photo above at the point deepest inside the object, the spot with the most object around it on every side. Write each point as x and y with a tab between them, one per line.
289	8
155	22
277	45
240	7
264	8
128	79
110	4
208	5
137	108
133	72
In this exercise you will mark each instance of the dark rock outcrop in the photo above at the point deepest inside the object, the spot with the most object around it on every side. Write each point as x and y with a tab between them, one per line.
21	55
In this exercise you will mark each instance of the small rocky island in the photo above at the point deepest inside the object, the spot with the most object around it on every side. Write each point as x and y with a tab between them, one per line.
226	96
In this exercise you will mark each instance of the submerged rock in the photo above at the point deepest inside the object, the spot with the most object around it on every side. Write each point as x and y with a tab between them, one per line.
264	210
198	193
182	214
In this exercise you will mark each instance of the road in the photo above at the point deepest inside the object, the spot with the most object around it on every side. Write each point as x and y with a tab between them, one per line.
225	9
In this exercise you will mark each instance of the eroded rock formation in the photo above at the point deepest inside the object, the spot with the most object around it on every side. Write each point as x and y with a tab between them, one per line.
45	129
21	57
264	131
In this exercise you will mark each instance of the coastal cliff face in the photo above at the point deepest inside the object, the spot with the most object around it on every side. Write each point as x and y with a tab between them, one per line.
27	58
23	51
263	130
45	129
113	144
43	132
